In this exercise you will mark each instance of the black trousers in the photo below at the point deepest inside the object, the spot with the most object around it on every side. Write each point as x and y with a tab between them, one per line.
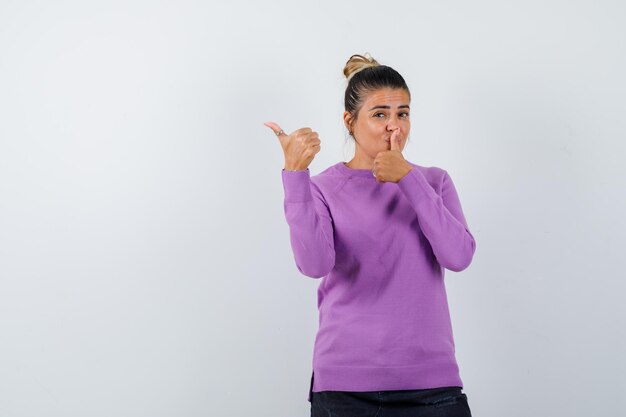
439	402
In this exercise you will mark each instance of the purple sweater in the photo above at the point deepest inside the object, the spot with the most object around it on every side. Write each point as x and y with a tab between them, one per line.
381	249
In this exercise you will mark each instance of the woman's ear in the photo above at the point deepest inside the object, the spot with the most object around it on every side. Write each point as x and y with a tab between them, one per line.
347	120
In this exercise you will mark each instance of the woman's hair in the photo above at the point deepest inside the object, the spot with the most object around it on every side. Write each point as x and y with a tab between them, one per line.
365	75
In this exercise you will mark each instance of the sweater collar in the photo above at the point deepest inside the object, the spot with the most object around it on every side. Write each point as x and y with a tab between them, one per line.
351	172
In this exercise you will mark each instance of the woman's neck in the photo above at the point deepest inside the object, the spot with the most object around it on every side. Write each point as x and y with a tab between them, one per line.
355	163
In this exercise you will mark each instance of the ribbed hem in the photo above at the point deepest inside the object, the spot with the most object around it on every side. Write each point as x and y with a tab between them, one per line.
347	378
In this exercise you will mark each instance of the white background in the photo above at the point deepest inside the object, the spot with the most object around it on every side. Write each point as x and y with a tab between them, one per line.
145	263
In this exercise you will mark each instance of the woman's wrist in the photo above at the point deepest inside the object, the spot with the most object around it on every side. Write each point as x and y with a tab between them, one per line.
294	168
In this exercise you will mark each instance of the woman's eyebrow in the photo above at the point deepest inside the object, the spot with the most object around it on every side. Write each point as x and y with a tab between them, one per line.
404	106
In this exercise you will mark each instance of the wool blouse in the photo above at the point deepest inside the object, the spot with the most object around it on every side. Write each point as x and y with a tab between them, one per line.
380	251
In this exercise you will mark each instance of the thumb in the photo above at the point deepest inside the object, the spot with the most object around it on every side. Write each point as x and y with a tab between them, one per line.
395	140
275	128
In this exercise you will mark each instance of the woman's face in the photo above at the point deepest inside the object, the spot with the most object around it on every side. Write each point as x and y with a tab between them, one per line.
382	112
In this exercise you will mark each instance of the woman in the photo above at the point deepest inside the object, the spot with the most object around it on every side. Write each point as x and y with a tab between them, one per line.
379	230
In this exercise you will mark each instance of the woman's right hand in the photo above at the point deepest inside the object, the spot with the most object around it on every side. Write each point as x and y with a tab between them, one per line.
299	147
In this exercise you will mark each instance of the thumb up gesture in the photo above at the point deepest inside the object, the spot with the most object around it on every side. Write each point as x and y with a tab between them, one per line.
299	147
390	166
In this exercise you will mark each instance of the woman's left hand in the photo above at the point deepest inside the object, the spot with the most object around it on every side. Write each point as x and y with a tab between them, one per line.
390	166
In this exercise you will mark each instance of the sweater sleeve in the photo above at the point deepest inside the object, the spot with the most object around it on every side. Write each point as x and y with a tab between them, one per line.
310	224
441	219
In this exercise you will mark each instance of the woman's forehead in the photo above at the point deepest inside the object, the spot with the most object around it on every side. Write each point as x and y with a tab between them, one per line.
387	96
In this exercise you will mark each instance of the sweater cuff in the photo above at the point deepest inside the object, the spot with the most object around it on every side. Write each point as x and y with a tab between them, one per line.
415	180
297	186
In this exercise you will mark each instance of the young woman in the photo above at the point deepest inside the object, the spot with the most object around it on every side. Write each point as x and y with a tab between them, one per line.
379	230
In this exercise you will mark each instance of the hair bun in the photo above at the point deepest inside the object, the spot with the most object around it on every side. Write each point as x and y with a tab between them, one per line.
358	63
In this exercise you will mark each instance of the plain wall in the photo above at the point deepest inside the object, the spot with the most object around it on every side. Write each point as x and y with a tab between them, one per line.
145	262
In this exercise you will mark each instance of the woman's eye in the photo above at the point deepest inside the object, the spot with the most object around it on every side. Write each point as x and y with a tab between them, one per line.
381	114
